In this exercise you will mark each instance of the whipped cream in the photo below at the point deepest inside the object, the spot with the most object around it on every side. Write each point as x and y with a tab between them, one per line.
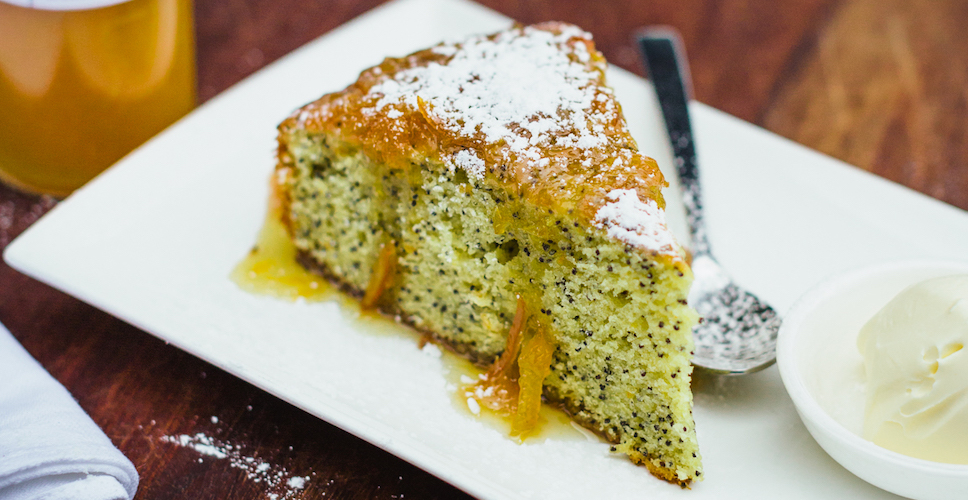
916	366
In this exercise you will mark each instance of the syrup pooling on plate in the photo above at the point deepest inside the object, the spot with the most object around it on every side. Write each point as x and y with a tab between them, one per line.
270	268
512	385
552	422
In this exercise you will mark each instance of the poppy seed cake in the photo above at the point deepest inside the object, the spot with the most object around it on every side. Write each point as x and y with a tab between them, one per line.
489	189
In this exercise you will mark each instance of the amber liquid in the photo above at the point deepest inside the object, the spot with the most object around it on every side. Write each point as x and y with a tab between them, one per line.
80	89
552	422
271	268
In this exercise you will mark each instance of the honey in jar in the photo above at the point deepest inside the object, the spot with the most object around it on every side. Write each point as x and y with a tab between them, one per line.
80	88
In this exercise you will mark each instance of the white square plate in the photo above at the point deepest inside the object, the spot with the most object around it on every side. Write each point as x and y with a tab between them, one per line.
153	240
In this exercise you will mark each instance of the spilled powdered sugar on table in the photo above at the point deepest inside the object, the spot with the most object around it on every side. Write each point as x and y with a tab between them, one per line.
282	484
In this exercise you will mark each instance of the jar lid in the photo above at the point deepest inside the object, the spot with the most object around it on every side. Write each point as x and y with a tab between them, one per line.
63	4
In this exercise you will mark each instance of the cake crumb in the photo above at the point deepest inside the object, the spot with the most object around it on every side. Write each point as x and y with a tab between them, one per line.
473	406
431	350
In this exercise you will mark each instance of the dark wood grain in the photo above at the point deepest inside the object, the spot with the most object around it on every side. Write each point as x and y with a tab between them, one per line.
737	48
885	88
882	84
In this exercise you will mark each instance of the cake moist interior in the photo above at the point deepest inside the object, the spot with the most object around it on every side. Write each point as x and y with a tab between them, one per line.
464	251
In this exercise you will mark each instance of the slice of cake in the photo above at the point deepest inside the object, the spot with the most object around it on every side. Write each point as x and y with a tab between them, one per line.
488	193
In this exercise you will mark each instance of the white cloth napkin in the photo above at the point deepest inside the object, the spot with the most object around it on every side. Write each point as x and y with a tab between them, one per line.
49	448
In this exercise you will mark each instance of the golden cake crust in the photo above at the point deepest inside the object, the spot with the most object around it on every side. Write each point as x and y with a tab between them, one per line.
567	160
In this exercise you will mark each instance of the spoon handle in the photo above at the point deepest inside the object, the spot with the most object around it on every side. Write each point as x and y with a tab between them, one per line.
665	59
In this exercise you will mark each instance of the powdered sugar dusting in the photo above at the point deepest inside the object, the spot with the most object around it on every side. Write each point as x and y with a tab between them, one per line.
282	484
200	443
296	482
524	89
642	224
470	162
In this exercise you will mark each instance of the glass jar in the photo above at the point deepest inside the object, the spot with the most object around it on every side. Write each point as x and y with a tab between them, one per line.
83	82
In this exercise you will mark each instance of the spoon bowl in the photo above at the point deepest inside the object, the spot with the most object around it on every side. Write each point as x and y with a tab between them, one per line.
738	331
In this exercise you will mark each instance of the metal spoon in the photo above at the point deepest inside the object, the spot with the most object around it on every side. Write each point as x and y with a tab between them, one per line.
738	331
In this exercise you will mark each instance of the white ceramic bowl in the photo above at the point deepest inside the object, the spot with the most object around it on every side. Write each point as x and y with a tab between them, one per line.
821	369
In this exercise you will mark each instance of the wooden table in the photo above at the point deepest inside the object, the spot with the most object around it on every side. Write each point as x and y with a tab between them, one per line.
881	84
